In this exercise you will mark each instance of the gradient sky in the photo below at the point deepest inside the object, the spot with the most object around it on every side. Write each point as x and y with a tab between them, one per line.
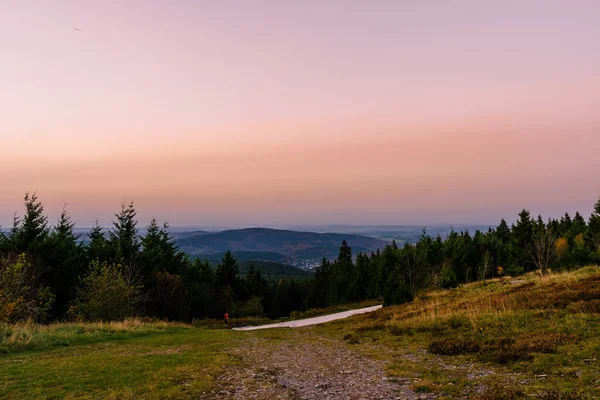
291	112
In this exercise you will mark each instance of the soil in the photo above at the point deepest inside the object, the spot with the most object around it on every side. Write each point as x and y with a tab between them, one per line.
322	369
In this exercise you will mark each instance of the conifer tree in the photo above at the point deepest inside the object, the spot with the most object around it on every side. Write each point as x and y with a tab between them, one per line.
159	252
29	233
593	234
522	240
63	262
227	273
98	247
124	237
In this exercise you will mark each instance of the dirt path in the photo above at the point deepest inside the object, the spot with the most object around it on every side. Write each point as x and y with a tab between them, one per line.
297	369
312	321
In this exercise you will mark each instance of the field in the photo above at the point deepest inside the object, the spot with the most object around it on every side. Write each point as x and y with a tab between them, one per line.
506	338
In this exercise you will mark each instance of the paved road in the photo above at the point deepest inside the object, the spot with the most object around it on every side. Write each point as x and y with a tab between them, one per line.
311	321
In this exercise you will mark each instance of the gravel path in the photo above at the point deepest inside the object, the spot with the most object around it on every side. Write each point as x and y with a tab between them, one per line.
322	369
312	321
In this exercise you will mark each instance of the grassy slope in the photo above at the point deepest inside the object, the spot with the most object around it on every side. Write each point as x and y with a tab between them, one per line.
554	348
531	336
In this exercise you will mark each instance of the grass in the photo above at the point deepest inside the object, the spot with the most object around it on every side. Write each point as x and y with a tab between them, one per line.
535	336
115	361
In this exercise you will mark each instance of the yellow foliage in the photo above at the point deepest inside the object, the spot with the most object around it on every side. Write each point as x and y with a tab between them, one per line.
562	246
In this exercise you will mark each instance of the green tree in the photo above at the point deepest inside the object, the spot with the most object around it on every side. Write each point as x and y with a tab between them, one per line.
98	247
124	237
64	258
522	240
105	294
23	295
29	233
159	252
593	234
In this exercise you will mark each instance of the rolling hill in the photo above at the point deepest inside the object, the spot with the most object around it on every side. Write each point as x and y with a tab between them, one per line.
274	244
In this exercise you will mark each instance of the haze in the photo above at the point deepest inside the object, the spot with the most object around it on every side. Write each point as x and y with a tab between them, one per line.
270	112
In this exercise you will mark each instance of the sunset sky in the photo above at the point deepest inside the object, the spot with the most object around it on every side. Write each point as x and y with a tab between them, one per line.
300	112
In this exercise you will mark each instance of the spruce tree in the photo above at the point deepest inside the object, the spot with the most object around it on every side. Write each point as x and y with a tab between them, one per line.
579	225
64	262
593	234
98	247
29	233
227	273
124	237
503	232
522	240
159	251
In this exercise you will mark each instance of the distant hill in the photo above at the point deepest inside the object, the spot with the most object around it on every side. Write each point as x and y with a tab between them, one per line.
242	256
268	244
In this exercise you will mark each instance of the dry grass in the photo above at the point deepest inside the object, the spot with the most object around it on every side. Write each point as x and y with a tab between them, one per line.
518	329
24	336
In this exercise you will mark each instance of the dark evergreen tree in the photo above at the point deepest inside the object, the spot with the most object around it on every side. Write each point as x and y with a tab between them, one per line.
503	232
64	258
522	240
124	237
159	252
593	233
98	247
29	234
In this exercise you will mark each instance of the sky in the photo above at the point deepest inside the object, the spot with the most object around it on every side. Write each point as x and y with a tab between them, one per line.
300	112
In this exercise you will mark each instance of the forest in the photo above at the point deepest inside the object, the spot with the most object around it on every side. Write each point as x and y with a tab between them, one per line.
48	273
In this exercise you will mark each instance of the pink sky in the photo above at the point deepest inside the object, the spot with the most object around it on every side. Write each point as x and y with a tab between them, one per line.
272	112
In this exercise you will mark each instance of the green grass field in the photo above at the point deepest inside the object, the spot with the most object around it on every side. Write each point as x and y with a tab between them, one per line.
499	339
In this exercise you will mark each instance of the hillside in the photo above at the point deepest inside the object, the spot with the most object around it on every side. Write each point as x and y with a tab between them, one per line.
291	245
506	338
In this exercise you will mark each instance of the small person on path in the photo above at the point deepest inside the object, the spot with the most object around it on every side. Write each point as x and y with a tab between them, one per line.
226	318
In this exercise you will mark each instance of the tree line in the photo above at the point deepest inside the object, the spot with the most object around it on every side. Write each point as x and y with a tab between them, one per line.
48	272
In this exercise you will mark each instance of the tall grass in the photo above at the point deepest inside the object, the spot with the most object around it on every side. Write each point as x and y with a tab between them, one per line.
28	335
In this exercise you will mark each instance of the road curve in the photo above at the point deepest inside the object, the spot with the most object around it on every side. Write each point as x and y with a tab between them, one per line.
312	321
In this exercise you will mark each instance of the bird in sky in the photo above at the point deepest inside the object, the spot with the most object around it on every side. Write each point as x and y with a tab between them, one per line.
77	29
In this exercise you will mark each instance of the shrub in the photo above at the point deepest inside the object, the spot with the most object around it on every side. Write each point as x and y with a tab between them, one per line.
459	321
452	347
250	308
447	278
500	393
396	292
105	294
22	296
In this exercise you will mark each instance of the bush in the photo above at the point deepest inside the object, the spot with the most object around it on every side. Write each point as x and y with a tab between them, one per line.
396	292
452	347
250	308
447	278
105	294
22	296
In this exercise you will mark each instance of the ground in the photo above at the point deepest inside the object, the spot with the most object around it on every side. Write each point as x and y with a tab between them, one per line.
532	337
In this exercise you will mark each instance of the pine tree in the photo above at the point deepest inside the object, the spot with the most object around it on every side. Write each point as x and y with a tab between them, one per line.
593	234
503	232
227	273
124	237
579	225
159	252
98	247
64	262
29	233
522	240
